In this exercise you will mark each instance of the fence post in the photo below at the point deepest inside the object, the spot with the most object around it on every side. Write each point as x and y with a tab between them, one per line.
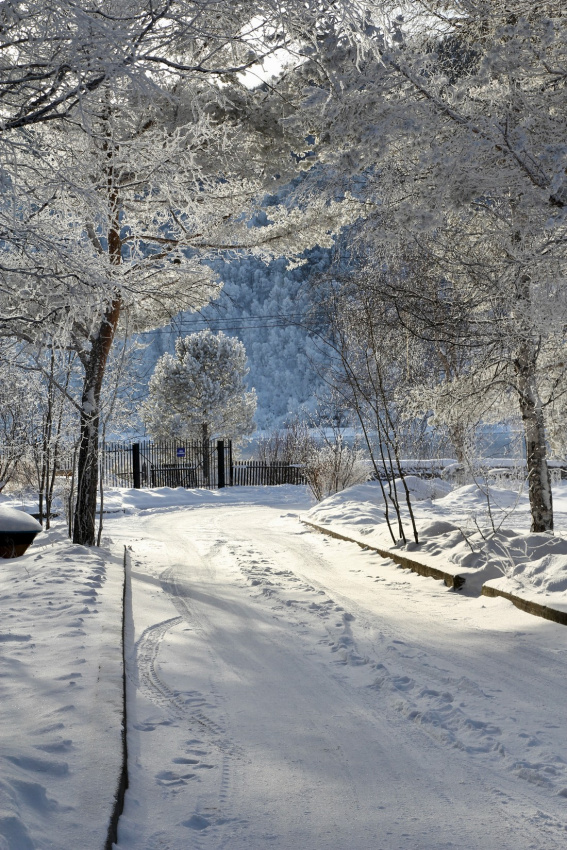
230	464
136	466
220	465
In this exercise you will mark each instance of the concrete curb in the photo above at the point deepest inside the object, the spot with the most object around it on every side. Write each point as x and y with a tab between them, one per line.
112	835
527	605
450	580
456	581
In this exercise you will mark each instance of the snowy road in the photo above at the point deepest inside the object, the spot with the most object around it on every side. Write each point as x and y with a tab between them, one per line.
288	690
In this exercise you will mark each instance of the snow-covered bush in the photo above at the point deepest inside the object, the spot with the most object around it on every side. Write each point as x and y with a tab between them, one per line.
292	444
334	467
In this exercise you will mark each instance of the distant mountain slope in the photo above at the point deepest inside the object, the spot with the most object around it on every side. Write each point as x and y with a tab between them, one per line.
263	305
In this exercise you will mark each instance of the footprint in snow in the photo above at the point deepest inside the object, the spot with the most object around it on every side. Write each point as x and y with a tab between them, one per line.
402	683
170	778
35	796
56	746
13	833
45	730
53	768
197	822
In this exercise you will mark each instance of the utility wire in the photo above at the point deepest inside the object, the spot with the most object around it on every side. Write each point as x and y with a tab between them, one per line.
267	322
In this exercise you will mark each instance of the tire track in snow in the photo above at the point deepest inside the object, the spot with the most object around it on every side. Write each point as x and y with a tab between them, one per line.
209	826
421	693
172	588
148	680
185	705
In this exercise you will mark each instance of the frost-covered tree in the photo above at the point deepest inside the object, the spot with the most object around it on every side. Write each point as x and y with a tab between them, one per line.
55	55
155	180
58	64
19	401
364	371
503	328
265	306
37	418
455	117
200	392
452	353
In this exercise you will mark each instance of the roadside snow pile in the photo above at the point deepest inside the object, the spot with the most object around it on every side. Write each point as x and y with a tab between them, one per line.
422	488
471	499
60	694
532	565
466	532
361	506
131	501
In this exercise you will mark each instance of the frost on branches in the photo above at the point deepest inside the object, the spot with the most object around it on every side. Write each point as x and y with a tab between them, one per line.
200	392
131	153
454	122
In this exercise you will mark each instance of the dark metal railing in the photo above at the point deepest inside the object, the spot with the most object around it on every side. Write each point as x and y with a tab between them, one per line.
189	464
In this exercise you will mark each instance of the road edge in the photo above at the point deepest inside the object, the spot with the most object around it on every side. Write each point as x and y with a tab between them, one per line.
450	579
453	580
118	808
527	605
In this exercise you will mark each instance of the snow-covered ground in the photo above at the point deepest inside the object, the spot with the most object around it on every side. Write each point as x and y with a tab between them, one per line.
60	695
481	533
285	689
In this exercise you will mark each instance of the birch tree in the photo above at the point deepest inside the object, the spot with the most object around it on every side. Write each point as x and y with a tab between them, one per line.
456	115
363	351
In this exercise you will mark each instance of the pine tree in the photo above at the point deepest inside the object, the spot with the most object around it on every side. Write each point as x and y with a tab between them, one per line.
200	392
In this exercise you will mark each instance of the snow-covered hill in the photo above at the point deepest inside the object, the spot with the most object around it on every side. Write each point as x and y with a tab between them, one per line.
264	306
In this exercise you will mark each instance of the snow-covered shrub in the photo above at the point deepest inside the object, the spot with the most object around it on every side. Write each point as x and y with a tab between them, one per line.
292	444
334	467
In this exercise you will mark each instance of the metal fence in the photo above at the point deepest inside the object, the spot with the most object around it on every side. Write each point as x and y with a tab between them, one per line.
167	464
189	464
255	472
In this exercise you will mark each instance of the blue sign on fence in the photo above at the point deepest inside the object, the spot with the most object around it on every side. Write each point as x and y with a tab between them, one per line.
181	451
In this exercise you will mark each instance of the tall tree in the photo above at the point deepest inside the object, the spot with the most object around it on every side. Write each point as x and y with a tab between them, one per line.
456	117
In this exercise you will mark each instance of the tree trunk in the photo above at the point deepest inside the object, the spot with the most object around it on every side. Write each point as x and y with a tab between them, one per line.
95	367
87	467
458	438
539	481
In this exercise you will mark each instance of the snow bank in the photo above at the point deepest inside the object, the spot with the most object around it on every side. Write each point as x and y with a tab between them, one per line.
422	488
472	499
533	566
465	531
60	694
129	501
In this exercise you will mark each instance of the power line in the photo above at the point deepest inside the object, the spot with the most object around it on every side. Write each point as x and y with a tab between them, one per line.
267	322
